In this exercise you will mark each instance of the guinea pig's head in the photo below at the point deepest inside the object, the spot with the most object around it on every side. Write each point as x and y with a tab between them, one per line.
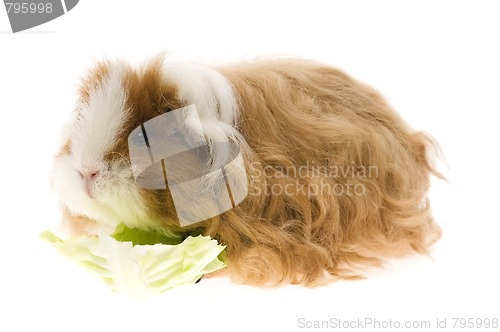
93	174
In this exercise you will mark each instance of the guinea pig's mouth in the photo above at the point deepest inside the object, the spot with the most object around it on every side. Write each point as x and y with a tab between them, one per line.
170	152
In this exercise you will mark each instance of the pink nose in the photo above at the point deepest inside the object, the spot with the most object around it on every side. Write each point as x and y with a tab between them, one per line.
89	178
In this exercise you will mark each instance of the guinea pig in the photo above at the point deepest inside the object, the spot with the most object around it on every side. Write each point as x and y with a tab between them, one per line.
334	180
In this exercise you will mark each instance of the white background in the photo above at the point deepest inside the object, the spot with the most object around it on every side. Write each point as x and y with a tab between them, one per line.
436	62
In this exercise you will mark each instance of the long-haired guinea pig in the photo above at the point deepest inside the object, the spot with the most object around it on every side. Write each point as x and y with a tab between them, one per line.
330	180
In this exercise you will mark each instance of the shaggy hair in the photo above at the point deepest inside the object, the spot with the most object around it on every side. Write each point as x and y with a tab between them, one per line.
337	180
302	115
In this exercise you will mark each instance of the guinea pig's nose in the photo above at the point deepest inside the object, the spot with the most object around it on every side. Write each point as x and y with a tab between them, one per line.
89	178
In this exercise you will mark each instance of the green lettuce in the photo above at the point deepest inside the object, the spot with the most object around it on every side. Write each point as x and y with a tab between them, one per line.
138	236
142	263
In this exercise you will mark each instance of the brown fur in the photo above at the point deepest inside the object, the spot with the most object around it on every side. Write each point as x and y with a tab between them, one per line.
294	114
93	79
148	95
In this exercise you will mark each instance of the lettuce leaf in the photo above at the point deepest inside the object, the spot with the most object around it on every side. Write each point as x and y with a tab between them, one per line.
142	270
137	236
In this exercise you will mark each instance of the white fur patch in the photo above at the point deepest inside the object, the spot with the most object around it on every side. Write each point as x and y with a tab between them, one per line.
215	101
212	94
203	86
101	120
